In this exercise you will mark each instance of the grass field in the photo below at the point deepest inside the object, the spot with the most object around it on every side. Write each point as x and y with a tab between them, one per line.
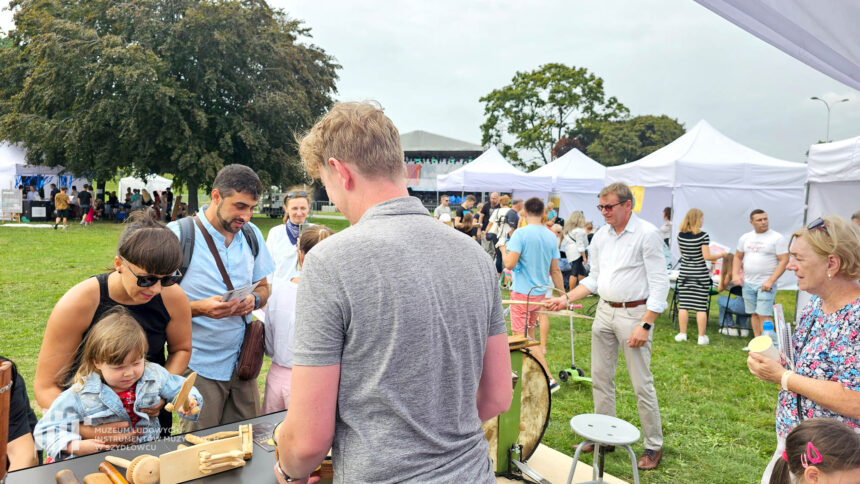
717	419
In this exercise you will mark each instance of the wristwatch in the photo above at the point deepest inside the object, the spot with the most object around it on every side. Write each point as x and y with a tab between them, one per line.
256	300
647	326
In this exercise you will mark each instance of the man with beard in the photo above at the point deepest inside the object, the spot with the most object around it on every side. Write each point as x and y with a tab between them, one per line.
218	327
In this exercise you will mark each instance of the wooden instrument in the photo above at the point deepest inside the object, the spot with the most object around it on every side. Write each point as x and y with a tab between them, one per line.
182	397
143	469
97	478
219	452
110	471
66	476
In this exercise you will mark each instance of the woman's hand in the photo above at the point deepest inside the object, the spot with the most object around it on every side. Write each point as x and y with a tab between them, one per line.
764	368
155	409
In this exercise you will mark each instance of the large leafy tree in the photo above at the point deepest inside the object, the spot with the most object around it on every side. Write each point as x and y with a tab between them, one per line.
619	142
161	86
527	117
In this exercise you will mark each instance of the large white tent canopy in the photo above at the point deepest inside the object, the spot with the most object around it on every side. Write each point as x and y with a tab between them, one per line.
152	183
834	178
823	35
14	170
704	169
491	172
578	179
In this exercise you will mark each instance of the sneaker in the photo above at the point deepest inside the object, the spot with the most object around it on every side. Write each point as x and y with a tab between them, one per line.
55	226
703	340
681	337
745	333
745	348
553	385
724	331
733	332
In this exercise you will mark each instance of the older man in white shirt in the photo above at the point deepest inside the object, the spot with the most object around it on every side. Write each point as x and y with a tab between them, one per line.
628	272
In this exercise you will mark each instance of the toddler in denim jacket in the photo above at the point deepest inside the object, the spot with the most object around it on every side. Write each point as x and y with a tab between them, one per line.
113	384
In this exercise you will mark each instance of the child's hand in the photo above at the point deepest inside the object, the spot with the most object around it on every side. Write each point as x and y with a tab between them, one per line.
190	407
86	447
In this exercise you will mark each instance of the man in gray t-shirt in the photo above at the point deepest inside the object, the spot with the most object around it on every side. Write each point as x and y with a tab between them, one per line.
392	368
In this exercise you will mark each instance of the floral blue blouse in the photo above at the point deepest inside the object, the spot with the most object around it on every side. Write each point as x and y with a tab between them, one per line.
826	347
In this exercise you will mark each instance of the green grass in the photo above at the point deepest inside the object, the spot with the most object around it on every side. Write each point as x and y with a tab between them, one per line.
717	418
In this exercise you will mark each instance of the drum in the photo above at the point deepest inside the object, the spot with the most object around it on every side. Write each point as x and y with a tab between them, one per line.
534	409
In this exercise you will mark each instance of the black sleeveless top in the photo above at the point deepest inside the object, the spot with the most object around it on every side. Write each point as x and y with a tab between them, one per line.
152	317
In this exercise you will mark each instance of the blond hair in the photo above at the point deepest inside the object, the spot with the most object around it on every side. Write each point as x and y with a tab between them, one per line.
504	200
358	133
575	220
621	190
115	336
838	237
693	221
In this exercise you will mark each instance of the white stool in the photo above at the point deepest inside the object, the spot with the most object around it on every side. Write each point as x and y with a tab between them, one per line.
603	430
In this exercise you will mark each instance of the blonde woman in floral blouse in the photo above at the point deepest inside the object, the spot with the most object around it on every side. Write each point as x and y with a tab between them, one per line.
825	382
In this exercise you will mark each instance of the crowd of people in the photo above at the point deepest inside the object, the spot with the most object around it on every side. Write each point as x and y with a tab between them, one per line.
366	326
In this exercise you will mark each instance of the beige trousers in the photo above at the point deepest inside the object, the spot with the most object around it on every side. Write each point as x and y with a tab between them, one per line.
611	329
223	402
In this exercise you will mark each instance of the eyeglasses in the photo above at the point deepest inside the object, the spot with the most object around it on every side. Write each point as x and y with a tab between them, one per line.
299	194
609	208
149	281
818	224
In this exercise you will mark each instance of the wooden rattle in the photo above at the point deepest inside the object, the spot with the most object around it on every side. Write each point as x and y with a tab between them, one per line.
143	469
66	476
220	462
182	397
110	471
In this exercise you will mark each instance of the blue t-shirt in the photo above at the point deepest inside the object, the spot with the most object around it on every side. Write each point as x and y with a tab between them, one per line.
537	247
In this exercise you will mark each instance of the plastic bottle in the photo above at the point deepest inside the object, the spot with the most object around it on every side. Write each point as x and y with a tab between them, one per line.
767	329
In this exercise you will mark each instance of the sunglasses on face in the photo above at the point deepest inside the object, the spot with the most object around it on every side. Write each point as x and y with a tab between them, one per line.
818	224
609	208
299	194
149	281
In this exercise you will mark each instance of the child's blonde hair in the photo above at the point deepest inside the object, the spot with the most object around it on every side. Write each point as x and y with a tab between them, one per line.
115	336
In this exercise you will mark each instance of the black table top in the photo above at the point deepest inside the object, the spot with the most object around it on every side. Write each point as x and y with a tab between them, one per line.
259	469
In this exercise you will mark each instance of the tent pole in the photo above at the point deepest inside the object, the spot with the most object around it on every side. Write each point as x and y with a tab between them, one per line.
805	217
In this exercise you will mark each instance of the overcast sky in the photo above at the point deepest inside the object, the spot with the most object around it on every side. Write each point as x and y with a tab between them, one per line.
428	63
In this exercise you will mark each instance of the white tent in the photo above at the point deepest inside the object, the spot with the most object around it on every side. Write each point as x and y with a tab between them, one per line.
152	184
704	169
823	35
834	178
15	170
579	179
490	172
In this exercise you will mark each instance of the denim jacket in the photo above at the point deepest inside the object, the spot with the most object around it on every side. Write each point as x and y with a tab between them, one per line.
95	403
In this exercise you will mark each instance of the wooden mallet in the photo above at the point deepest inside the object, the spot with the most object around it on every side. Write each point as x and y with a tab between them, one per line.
66	476
110	471
143	469
182	397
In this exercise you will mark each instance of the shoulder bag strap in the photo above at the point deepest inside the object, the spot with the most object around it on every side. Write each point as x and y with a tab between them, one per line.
218	262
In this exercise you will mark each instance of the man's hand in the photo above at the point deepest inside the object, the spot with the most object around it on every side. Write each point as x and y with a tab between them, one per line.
245	306
767	285
556	303
638	337
215	308
155	409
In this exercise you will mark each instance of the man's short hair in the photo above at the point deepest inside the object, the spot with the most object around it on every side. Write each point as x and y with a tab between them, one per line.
63	189
621	190
534	206
516	201
855	215
756	212
237	178
471	198
443	197
358	133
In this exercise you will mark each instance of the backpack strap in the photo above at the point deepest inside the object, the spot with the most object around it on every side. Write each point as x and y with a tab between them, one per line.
251	238
186	240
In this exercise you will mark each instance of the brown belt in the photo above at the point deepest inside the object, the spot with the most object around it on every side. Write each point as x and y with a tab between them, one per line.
629	304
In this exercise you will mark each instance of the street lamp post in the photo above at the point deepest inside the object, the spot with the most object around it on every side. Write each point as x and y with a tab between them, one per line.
827	131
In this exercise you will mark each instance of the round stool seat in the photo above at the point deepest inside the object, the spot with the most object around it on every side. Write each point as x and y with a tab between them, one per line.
604	429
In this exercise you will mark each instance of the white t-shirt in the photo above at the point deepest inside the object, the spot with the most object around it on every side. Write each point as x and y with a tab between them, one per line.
575	243
283	253
281	323
760	254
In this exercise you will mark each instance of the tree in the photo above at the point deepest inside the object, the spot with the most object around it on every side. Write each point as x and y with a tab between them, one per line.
540	107
619	142
162	86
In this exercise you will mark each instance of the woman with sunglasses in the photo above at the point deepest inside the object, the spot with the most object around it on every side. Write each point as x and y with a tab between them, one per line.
282	239
825	379
143	280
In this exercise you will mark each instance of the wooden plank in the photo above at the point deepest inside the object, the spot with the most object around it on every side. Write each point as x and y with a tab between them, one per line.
184	464
182	396
565	312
